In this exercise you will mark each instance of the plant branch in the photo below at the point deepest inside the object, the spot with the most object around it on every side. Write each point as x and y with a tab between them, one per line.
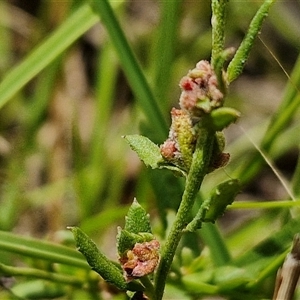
200	162
150	292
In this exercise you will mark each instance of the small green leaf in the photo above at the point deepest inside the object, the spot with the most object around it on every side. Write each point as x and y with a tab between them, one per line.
215	206
149	153
221	196
146	150
97	260
223	117
126	240
236	65
137	219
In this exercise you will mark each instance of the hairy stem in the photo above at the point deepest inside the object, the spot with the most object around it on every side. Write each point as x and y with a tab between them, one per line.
218	28
201	159
150	292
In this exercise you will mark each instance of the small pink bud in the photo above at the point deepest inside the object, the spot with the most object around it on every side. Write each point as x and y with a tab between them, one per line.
186	83
168	149
200	93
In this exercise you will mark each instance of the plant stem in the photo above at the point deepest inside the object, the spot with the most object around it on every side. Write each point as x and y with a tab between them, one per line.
201	159
150	292
218	28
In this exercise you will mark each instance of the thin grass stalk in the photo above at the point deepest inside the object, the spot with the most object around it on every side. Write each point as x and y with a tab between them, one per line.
164	51
41	274
45	53
132	68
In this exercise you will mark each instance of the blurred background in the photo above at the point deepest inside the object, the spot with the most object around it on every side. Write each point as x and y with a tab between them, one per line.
62	157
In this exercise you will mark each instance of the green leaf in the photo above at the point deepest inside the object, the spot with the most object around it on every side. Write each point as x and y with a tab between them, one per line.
149	153
97	260
236	66
223	117
215	206
146	150
126	240
222	196
37	249
37	289
137	219
45	53
131	67
6	270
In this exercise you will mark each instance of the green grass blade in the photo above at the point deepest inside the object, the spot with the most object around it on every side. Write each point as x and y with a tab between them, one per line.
217	247
132	69
91	179
264	205
41	250
37	289
75	26
40	274
296	179
40	100
165	46
5	41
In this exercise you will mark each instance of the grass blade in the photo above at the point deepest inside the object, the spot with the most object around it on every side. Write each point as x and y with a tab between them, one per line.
131	68
76	25
41	249
164	51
